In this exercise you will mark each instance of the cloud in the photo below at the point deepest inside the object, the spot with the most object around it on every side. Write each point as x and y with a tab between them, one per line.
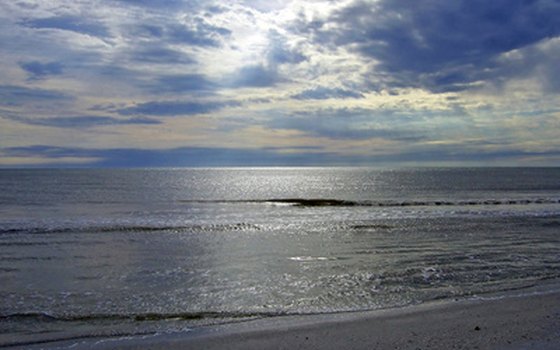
11	95
349	124
82	25
175	108
178	83
255	76
265	5
538	61
267	74
323	93
191	30
159	4
440	45
205	156
86	121
265	80
52	156
38	70
160	55
279	52
197	32
183	156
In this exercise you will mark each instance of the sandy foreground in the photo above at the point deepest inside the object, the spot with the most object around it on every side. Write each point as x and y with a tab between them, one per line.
513	322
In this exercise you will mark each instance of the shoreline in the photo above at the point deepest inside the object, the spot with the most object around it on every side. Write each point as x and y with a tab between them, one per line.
525	321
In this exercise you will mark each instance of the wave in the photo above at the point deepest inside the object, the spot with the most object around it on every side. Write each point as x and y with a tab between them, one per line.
116	325
138	317
313	202
128	228
318	202
79	227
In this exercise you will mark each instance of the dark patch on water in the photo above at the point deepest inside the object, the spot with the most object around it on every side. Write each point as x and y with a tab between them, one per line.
329	202
551	223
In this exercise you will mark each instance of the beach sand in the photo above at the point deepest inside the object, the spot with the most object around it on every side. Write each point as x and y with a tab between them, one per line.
513	322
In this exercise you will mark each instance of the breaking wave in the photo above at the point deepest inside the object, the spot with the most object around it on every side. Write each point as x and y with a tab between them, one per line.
304	202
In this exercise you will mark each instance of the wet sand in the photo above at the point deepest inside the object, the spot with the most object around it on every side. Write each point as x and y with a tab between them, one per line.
513	322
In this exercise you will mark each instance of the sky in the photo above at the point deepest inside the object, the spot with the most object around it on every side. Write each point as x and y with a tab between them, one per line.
149	83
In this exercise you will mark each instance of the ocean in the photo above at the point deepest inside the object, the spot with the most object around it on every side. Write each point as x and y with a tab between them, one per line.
119	252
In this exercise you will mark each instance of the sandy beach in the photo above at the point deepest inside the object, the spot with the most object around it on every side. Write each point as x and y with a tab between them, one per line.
514	322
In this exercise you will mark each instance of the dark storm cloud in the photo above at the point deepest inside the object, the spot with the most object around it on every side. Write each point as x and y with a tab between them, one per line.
76	24
38	70
175	108
438	44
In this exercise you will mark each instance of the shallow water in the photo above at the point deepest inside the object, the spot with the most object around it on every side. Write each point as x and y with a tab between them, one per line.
107	252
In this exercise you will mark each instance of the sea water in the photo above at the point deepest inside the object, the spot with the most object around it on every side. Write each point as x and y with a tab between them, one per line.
110	252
